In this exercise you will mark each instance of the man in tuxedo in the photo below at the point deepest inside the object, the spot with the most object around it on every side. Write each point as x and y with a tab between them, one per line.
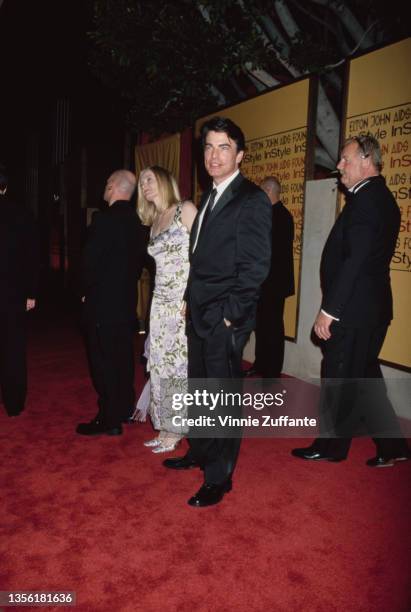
230	257
269	331
355	313
18	287
111	266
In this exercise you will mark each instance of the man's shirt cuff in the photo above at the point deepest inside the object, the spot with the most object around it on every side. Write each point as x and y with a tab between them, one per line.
328	315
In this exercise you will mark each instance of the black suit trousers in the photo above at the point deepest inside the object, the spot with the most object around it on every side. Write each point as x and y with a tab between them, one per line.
355	407
217	356
269	335
13	367
110	350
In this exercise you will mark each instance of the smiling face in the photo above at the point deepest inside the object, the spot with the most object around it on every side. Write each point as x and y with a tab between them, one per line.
221	158
149	185
353	165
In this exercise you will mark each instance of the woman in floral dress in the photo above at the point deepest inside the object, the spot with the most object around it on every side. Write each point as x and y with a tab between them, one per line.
160	206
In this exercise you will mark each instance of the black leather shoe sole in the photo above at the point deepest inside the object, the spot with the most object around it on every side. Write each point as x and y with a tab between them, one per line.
380	462
95	429
180	463
308	455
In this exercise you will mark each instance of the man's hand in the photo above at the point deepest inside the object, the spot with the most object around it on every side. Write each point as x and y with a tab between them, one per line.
227	322
83	299
30	304
183	309
322	326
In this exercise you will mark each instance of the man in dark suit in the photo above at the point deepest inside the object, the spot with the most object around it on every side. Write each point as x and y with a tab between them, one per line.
230	258
355	313
269	331
112	264
18	287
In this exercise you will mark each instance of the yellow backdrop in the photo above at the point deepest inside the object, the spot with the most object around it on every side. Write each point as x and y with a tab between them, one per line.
165	153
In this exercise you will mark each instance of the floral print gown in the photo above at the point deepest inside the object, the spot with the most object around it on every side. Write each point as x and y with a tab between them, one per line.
168	343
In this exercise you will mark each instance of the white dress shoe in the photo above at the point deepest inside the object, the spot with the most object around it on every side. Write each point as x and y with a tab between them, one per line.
166	446
153	442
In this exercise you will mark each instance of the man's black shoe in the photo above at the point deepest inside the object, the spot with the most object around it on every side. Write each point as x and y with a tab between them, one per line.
96	428
180	463
210	494
14	413
380	462
310	453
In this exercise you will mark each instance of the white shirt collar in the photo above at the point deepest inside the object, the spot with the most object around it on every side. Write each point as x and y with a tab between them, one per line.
224	184
359	185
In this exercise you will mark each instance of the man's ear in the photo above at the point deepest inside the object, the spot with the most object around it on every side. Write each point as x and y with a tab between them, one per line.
366	162
239	157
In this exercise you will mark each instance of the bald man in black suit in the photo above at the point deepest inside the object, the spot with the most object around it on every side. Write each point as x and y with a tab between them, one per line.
279	284
112	263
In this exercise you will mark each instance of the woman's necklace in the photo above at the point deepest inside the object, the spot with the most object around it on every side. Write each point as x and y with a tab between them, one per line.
159	225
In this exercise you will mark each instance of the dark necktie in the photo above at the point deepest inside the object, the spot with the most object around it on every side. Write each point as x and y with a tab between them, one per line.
209	208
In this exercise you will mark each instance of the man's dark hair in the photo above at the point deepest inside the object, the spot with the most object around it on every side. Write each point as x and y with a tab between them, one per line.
4	179
223	124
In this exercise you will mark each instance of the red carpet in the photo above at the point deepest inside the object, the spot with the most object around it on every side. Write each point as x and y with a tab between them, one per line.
102	517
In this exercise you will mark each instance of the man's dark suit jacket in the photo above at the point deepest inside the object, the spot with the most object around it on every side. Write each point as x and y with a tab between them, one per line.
231	259
355	266
19	257
280	280
112	264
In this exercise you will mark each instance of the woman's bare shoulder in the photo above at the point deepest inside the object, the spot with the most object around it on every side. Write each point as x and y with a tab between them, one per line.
188	213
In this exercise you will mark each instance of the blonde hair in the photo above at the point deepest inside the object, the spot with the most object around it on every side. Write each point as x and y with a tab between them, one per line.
168	192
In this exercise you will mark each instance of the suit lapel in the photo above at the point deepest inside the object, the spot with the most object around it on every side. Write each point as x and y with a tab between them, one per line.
228	194
194	229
